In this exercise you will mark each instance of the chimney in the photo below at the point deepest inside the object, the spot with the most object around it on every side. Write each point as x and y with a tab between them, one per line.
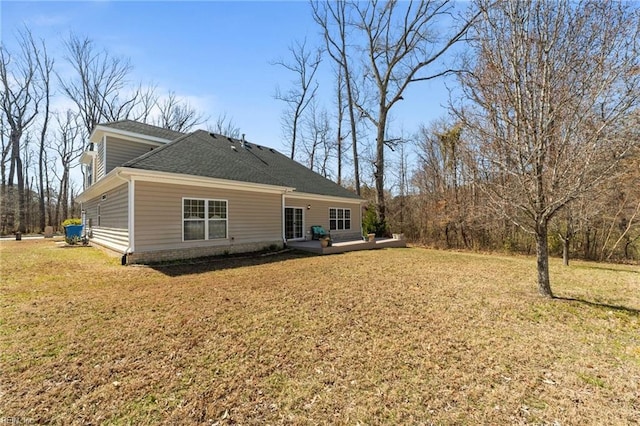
242	143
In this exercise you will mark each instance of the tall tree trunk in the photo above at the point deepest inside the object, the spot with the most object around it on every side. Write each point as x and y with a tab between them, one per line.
565	250
587	243
354	136
294	134
42	212
64	194
542	253
42	165
45	67
379	167
339	130
50	210
16	165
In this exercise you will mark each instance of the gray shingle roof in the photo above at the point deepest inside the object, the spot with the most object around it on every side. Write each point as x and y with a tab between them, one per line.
211	155
145	129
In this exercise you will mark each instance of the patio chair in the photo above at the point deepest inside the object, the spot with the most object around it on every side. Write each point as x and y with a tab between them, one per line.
317	232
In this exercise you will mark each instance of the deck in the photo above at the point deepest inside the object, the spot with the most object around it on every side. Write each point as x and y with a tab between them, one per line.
314	246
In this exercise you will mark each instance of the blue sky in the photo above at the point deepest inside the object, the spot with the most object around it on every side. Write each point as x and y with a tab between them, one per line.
216	54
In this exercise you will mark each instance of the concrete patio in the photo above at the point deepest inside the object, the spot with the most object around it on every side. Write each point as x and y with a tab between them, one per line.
314	246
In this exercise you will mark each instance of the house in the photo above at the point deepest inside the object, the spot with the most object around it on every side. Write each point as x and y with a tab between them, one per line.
153	194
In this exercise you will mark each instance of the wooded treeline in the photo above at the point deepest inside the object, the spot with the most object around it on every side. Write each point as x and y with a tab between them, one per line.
48	108
539	150
538	153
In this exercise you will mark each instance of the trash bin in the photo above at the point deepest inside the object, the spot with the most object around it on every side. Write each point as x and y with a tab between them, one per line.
18	236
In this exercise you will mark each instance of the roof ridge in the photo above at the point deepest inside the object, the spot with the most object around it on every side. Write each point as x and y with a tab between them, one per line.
155	151
207	154
139	123
113	122
265	170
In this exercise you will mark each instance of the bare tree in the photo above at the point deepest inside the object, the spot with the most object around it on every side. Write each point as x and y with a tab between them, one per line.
5	144
442	176
28	164
225	126
44	65
176	114
340	136
332	17
100	88
304	65
147	103
551	86
401	43
69	147
401	187
315	138
19	99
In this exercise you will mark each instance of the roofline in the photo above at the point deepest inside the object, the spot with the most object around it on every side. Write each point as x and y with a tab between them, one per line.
319	197
184	179
126	133
120	174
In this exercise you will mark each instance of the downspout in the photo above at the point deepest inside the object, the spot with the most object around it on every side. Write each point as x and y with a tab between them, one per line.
284	238
130	218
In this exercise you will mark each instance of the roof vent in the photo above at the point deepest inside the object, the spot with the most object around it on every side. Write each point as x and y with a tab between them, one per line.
213	135
243	142
233	147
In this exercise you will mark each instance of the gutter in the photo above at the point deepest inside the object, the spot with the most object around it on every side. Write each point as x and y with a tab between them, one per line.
284	238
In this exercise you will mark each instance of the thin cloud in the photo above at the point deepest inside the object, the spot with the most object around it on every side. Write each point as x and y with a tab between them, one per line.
45	21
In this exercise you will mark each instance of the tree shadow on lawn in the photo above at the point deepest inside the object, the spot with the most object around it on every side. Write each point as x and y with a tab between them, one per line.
218	263
608	268
632	311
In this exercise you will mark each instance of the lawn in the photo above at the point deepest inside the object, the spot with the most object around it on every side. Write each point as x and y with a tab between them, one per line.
396	336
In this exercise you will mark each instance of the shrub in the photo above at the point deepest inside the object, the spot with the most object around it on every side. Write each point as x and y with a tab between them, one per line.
371	225
72	221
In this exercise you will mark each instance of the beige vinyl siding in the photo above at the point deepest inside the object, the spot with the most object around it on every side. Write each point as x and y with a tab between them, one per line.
91	211
253	217
119	151
99	161
114	209
318	214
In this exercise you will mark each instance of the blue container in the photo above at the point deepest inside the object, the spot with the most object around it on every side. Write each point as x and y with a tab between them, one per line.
73	231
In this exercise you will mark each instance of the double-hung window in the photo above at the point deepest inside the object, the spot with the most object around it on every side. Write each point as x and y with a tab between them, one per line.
339	219
204	219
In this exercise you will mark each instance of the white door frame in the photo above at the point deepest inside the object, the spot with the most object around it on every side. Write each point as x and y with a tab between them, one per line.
296	238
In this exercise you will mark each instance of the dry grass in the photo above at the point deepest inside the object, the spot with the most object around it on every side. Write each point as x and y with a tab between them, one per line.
402	336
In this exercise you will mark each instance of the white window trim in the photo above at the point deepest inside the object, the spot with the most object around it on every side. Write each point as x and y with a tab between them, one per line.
344	228
206	219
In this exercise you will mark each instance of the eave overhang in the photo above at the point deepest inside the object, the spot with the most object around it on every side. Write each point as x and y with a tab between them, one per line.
119	175
328	198
99	132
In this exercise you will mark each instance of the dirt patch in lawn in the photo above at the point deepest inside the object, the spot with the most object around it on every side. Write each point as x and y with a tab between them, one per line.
396	336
